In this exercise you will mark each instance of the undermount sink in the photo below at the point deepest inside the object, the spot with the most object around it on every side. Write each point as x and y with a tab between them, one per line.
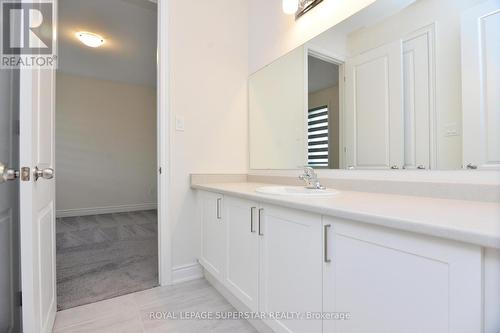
295	191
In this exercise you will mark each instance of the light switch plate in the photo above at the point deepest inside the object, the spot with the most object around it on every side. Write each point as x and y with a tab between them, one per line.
179	123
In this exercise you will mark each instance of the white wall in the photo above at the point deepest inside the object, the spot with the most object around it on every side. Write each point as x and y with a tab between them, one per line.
272	34
208	88
105	145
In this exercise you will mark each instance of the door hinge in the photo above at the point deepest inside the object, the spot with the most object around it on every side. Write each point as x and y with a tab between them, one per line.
20	298
17	128
159	170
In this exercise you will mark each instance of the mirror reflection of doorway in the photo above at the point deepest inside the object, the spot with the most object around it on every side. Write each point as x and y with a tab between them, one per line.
323	117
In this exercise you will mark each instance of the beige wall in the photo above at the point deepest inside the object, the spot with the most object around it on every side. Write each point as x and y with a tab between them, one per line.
330	97
105	144
272	33
208	88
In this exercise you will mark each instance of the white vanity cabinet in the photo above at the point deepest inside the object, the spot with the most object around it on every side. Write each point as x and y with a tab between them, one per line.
291	267
391	281
242	250
281	260
213	231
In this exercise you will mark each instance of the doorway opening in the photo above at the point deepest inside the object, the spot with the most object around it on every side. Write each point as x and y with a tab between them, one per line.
324	112
106	150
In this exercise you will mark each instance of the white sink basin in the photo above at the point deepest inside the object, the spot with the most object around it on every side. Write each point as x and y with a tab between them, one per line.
295	191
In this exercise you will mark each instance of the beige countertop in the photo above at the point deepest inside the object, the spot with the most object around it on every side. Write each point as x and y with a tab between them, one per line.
467	221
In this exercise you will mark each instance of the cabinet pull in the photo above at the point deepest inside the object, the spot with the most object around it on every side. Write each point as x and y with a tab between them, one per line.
325	243
219	202
252	217
260	221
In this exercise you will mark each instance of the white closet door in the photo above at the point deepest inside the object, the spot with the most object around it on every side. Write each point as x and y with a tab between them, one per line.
418	58
481	85
374	117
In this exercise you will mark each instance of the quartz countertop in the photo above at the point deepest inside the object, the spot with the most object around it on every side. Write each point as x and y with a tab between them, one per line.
466	221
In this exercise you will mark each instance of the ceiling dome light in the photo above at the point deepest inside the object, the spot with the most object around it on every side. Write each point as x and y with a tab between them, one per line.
290	6
90	39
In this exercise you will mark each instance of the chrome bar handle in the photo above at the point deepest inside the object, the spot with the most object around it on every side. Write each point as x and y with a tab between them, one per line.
325	243
252	218
261	211
219	202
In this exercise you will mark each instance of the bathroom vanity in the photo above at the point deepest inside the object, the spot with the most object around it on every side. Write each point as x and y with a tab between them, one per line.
391	263
402	89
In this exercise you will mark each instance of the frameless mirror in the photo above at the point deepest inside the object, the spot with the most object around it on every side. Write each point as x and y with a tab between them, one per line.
409	84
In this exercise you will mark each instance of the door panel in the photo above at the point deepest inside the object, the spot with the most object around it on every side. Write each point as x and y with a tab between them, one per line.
480	85
418	100
37	92
242	264
291	268
412	276
213	234
374	108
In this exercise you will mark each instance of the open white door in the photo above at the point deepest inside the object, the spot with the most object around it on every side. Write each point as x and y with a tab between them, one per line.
374	110
38	251
481	86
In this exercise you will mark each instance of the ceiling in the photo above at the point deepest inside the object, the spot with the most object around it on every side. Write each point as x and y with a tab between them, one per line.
129	27
322	74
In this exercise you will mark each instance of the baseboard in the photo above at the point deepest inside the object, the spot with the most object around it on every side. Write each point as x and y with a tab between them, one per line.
187	273
105	210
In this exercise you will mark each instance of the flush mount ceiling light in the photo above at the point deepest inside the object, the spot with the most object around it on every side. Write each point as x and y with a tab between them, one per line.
90	39
299	7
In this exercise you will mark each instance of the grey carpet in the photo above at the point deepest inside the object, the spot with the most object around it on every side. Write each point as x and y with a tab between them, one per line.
104	256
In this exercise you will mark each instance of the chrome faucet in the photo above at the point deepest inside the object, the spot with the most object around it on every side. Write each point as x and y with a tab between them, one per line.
311	179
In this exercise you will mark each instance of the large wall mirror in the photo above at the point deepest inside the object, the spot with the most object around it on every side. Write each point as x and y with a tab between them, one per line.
410	84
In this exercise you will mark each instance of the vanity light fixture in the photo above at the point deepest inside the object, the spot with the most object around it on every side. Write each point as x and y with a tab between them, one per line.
90	39
299	7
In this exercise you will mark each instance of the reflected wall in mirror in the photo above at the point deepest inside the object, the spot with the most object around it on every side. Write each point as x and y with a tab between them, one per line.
411	84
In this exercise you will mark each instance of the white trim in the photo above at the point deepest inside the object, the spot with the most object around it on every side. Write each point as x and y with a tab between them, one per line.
186	273
164	150
105	210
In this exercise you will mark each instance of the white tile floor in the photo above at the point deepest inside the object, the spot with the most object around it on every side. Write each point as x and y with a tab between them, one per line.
131	313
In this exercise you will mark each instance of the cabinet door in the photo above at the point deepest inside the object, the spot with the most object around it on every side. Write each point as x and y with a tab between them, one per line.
242	250
291	267
393	282
480	85
213	234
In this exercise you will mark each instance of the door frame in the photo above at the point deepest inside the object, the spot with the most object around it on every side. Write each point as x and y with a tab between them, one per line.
327	56
163	154
163	147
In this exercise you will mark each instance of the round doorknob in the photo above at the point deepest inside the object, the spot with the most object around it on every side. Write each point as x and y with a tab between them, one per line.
7	174
46	173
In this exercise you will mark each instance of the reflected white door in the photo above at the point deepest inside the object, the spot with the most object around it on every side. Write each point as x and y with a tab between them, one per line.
418	96
481	85
9	212
374	111
38	250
